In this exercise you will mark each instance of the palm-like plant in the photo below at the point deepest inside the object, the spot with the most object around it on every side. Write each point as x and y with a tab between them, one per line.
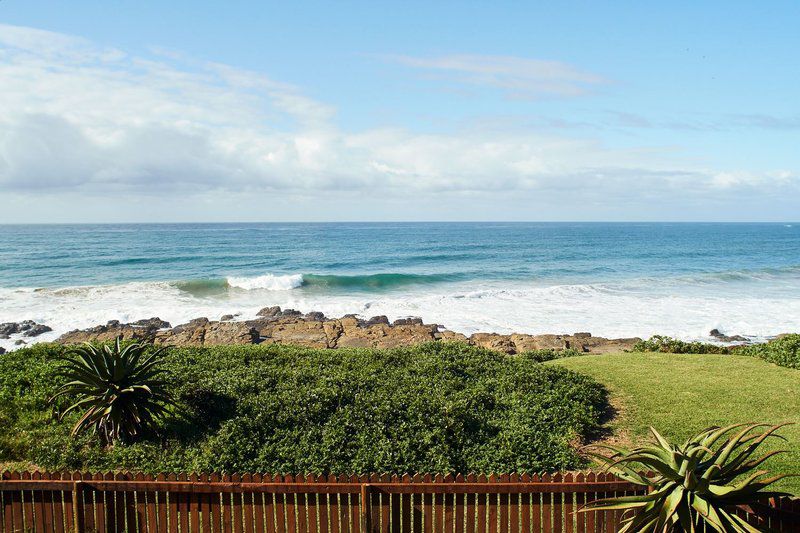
121	390
695	486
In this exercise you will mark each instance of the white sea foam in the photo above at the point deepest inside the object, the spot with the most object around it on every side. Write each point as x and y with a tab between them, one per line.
624	309
268	282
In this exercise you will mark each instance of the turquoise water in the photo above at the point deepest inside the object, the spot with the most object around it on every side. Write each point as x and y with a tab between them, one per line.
611	279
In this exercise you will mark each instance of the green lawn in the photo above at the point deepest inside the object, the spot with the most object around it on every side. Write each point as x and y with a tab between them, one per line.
682	394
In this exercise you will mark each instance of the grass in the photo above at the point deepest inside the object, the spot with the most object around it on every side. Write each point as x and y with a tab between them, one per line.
683	394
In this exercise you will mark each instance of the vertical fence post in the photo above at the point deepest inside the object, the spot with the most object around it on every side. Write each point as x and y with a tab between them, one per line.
77	506
366	510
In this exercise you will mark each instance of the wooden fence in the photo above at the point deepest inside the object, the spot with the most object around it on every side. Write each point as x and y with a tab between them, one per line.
61	502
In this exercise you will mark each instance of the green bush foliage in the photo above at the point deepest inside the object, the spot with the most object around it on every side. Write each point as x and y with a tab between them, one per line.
436	407
695	485
540	356
782	352
658	343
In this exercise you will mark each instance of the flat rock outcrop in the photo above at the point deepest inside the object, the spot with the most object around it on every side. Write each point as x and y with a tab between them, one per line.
273	325
141	330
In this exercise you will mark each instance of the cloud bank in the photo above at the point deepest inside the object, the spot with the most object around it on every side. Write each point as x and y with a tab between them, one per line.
77	118
519	77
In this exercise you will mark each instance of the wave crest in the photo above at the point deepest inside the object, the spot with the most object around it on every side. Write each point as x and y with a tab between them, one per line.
269	282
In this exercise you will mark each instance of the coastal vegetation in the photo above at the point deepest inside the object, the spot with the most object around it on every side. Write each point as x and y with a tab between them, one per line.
680	393
436	407
120	392
783	351
695	484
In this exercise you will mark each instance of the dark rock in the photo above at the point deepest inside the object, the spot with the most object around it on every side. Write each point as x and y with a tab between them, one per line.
721	337
410	321
378	320
151	323
316	316
2	350
226	318
275	310
582	335
19	342
28	328
37	330
290	312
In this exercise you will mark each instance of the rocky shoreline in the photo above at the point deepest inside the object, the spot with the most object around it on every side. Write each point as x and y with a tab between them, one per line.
274	325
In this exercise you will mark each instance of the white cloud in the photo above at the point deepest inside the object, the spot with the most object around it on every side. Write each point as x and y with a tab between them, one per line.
82	119
519	77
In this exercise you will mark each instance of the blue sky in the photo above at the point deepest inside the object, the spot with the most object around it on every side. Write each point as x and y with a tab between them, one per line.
170	111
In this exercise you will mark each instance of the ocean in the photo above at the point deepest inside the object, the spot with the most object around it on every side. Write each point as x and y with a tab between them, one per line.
611	279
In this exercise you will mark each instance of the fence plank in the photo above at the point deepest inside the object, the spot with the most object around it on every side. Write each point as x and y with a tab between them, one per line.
173	512
226	507
161	507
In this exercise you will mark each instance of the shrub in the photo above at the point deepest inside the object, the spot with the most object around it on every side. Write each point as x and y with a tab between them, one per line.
540	356
120	391
434	407
783	352
658	343
695	485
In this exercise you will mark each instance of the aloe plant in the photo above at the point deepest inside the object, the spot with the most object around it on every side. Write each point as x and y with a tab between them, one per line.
694	486
121	390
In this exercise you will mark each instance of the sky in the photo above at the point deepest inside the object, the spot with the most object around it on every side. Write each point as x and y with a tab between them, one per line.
144	111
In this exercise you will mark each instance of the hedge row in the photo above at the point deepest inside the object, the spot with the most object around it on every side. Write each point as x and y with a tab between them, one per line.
438	407
784	351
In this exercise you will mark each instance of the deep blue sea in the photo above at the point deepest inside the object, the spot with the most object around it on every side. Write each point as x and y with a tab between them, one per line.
613	279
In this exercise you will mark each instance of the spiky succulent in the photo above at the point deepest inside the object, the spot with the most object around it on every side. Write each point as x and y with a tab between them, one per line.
121	391
695	486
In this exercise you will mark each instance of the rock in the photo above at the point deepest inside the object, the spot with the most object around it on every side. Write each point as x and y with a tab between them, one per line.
2	350
382	335
309	333
9	328
141	330
525	343
493	341
451	336
225	318
27	328
314	330
721	337
19	342
202	332
410	321
151	323
36	330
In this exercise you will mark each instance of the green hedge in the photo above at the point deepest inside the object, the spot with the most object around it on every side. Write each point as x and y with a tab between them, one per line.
658	343
783	352
438	407
540	356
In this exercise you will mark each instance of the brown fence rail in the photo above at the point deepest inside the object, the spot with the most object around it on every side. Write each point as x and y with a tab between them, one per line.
255	503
